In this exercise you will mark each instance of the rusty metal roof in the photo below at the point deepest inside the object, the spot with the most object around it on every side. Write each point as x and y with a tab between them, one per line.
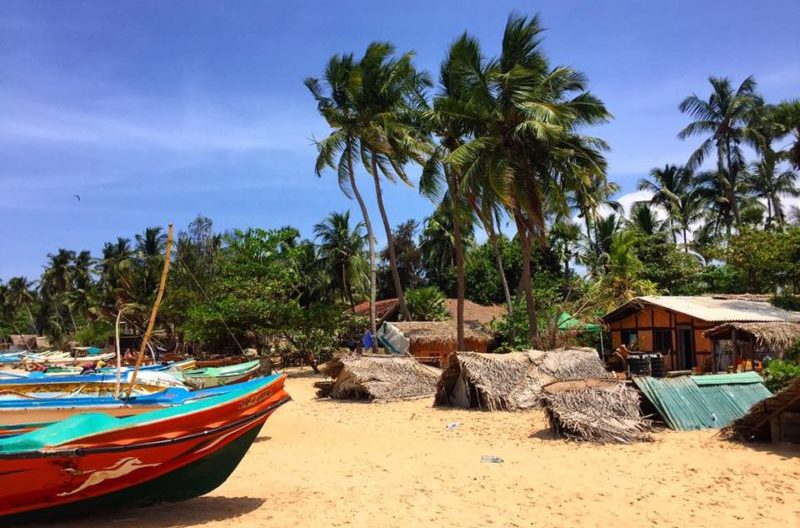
710	309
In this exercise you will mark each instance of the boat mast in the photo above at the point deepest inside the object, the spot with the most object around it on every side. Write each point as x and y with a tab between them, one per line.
151	322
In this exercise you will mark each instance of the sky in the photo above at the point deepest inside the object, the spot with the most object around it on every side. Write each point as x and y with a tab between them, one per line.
154	112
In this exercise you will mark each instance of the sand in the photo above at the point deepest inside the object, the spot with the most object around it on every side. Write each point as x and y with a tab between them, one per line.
322	463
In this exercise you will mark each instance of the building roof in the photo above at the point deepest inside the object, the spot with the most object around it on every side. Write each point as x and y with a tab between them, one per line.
755	424
473	312
775	336
437	332
707	308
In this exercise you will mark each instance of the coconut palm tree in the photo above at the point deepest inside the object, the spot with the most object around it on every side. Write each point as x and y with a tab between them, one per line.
56	281
722	119
342	247
687	212
770	185
390	103
591	198
528	142
643	219
668	185
787	115
21	292
460	74
336	95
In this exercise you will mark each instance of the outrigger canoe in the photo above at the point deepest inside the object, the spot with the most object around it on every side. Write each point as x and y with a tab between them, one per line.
21	415
216	376
95	462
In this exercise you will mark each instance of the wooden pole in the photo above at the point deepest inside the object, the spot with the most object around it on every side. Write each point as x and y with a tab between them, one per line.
119	354
152	321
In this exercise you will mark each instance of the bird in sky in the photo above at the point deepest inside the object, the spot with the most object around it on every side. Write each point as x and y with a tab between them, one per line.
78	196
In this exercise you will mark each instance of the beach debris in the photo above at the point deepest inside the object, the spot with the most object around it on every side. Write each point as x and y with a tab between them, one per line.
453	425
595	410
491	459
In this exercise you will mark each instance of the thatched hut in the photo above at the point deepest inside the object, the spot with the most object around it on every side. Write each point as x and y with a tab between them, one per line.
433	341
595	410
380	378
755	340
775	419
512	381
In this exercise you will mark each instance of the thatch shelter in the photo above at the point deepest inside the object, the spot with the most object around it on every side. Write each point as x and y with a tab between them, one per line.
511	381
761	338
433	341
595	410
380	378
775	419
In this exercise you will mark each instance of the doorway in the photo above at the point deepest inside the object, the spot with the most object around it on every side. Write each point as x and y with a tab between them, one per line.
685	347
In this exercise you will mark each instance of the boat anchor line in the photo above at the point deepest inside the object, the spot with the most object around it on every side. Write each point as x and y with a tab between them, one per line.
119	469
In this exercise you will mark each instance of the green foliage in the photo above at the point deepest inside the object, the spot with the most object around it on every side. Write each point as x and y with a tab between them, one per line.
767	260
675	271
779	373
95	333
787	302
427	304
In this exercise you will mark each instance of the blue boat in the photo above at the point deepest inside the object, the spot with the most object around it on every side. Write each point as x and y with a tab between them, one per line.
19	415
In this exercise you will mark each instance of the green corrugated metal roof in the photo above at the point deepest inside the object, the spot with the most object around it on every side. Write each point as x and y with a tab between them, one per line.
728	379
687	406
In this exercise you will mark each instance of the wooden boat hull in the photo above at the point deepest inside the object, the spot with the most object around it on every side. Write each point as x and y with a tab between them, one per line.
162	460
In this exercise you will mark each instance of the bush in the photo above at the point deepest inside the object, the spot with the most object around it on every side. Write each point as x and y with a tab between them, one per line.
96	333
787	302
427	304
779	373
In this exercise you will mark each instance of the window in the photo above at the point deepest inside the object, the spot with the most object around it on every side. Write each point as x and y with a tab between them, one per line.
662	340
629	337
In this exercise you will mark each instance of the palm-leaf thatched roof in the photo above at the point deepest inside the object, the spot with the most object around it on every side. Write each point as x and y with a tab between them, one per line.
777	336
511	381
603	411
436	332
755	425
380	378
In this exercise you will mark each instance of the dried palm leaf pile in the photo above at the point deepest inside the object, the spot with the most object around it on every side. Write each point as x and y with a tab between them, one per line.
602	411
509	382
379	378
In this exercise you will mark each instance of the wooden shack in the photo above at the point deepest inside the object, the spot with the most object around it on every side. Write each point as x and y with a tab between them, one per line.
676	326
432	342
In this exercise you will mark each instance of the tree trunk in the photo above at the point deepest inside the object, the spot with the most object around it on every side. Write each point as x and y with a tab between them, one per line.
372	267
398	287
732	175
459	250
525	242
685	241
348	289
33	321
488	226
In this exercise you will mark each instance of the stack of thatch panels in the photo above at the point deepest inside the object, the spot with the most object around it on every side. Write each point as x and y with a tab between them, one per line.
379	378
595	410
512	381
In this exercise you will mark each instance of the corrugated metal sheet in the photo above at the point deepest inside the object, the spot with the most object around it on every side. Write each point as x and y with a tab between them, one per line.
728	379
687	406
722	310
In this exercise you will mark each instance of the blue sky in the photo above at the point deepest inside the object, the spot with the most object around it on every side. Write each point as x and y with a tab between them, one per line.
157	111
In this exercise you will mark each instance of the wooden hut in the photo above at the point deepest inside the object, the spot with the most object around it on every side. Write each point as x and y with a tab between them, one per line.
433	341
676	326
752	341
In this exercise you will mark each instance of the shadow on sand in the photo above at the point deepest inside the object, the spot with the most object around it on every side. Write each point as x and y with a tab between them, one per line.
195	512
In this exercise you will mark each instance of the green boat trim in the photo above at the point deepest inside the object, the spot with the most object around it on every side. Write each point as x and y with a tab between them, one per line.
223	372
89	424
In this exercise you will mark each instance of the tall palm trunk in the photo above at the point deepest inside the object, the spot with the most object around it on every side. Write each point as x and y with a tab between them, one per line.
527	286
373	289
33	321
452	182
498	257
732	175
398	287
685	240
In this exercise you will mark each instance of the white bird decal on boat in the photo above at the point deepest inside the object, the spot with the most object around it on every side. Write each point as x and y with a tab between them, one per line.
121	468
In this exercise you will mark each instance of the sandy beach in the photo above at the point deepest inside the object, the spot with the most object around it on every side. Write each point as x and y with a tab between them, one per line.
336	464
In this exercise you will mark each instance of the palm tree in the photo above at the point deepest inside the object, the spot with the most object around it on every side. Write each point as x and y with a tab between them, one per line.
437	244
643	219
341	247
526	140
56	282
668	185
764	183
787	115
591	197
723	119
461	69
565	237
336	97
390	103
20	293
687	212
